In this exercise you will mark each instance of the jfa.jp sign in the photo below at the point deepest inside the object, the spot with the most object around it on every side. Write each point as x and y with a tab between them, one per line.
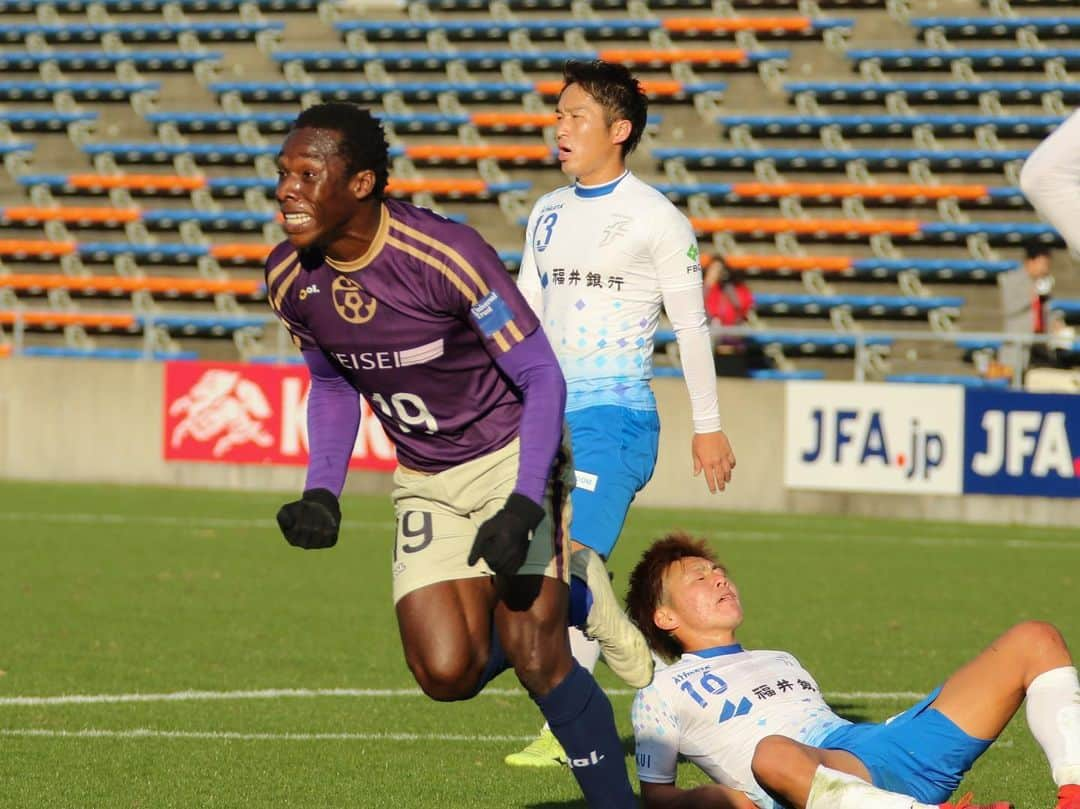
874	437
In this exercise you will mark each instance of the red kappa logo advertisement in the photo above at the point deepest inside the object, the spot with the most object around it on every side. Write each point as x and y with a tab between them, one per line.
252	414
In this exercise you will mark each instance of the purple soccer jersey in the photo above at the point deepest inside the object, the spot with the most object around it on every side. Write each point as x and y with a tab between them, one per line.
415	325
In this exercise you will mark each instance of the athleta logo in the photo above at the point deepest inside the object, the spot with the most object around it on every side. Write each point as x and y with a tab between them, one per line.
617	228
593	758
309	290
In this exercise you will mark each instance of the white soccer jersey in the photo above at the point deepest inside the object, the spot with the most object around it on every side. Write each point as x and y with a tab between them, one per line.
1051	180
598	264
714	706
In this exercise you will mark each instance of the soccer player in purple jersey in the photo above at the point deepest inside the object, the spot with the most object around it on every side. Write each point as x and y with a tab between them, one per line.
417	314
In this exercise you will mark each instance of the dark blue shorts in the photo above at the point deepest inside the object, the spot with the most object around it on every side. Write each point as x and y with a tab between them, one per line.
921	752
614	456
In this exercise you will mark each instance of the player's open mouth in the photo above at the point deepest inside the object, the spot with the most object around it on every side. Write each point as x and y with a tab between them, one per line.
564	153
296	222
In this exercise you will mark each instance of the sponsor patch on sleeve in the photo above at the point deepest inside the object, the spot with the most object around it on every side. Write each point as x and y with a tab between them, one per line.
491	314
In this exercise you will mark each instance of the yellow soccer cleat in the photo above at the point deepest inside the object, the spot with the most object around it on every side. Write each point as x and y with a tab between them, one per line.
543	751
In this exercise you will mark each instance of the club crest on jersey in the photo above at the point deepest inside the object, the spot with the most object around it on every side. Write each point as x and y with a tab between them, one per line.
620	226
491	314
352	303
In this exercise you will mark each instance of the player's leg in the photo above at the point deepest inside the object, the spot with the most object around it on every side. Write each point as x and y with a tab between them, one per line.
807	777
531	622
614	456
1031	659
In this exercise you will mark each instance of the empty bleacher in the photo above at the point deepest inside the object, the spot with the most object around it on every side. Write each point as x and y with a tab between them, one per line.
855	161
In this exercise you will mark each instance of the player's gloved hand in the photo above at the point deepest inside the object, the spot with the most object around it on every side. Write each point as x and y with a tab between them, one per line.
312	521
503	539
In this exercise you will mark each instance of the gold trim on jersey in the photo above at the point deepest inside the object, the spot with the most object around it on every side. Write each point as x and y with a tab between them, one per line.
450	253
373	250
500	341
515	332
273	274
284	286
452	276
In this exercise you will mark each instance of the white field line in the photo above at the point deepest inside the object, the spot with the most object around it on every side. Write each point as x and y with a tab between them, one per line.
224	735
84	518
371	693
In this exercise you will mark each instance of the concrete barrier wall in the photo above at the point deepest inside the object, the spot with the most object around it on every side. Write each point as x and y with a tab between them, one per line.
102	422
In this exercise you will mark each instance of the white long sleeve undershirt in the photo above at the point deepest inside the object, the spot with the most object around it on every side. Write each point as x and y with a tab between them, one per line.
1050	179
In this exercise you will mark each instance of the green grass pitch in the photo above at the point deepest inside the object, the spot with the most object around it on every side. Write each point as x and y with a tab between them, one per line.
144	591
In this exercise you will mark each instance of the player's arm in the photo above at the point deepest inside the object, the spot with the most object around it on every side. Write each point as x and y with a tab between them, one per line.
707	796
675	256
333	418
1050	179
511	334
528	277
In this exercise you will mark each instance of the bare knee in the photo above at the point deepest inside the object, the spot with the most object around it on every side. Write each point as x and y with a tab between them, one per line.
1042	646
771	760
446	675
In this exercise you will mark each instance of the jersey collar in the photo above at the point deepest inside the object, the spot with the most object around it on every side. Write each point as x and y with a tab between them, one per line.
590	191
717	651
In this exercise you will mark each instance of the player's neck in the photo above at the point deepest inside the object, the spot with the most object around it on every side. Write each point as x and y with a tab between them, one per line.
359	236
602	175
723	641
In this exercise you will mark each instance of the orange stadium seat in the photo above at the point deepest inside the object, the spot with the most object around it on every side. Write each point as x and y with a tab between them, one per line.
118	285
242	253
787	264
31	215
685	25
139	182
57	320
35	248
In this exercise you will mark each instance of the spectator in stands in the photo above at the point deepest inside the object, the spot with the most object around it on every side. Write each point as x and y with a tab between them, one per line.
417	313
602	256
728	302
1050	179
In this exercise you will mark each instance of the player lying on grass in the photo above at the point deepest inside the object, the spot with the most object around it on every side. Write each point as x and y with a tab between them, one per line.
756	723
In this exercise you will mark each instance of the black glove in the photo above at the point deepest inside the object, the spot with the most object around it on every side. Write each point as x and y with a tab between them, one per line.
312	521
503	539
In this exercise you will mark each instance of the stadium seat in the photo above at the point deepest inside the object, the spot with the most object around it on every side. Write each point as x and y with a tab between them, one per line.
959	270
525	6
818	344
31	61
279	122
1033	126
68	33
79	90
775	374
830	192
1069	308
68	353
155	6
968	160
998	27
880	306
118	285
37	121
947	379
979	58
955	92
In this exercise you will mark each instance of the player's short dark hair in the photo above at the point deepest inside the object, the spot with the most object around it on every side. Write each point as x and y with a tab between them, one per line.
646	591
616	90
1036	250
362	145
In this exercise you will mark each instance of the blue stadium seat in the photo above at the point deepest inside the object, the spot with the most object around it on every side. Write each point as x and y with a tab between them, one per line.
935	92
80	90
885	306
137	32
1033	126
948	379
24	61
816	343
37	121
1014	233
817	159
105	252
15	146
934	268
155	6
618	5
202	153
170	219
980	58
997	27
65	352
499	30
277	122
280	91
1069	308
206	325
786	376
417	60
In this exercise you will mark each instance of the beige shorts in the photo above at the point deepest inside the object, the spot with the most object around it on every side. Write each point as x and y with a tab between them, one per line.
438	515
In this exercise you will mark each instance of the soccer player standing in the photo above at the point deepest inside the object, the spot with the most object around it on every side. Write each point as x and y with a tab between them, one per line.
601	257
417	313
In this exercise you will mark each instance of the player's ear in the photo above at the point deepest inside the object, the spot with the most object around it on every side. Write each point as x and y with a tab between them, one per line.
363	184
620	130
665	619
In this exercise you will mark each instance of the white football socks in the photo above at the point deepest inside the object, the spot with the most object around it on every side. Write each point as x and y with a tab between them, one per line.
832	789
1053	714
